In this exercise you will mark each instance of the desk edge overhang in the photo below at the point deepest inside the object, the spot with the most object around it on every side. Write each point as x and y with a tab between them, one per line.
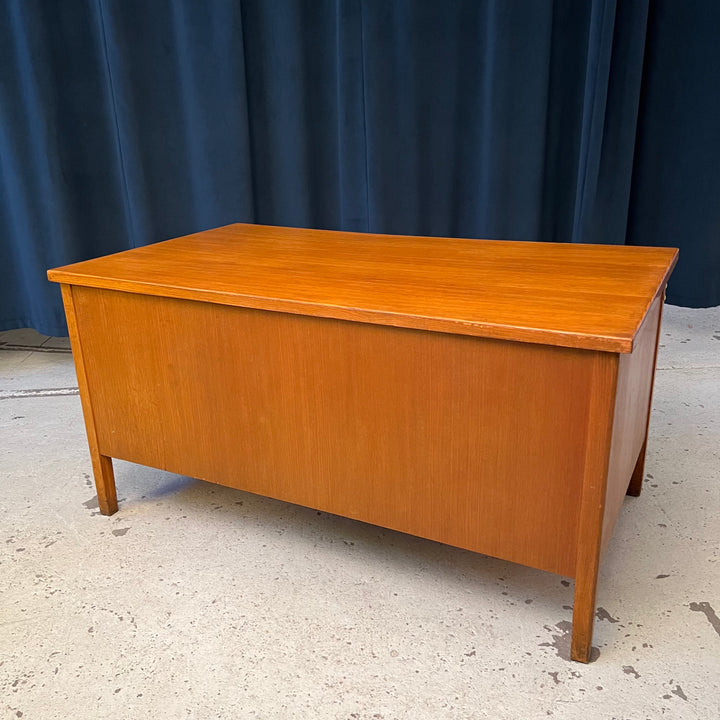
615	343
541	336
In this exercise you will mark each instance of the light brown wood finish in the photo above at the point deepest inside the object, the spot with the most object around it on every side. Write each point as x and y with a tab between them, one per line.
471	392
102	464
636	481
617	433
632	405
401	428
599	421
587	296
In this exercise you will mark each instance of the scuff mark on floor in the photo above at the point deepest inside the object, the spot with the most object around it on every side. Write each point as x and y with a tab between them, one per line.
602	614
679	692
561	642
92	504
707	609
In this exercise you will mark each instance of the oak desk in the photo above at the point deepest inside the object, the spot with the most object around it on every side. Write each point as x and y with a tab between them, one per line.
490	395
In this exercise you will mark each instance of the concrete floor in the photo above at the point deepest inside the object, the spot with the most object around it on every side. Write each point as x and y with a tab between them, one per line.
204	602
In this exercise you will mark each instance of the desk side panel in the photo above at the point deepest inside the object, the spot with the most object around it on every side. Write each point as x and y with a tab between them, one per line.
634	390
473	442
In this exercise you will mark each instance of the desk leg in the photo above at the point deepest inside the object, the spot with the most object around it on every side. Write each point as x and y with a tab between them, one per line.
104	483
102	464
636	481
592	504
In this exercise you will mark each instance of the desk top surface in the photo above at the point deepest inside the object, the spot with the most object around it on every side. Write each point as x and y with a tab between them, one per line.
585	296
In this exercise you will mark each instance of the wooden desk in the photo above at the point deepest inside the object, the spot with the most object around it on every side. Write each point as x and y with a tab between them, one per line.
490	395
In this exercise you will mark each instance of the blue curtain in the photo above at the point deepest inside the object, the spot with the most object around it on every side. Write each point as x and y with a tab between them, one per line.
125	122
675	199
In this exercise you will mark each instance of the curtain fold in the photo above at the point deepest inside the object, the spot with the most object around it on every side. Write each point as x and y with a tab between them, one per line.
675	198
124	122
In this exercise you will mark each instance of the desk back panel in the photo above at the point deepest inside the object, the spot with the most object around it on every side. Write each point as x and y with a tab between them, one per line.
407	429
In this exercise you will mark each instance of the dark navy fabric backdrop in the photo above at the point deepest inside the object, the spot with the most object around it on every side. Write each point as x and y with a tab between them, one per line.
125	122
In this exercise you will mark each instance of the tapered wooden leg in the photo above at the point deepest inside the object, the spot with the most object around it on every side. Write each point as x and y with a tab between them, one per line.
636	481
583	619
102	464
105	484
592	504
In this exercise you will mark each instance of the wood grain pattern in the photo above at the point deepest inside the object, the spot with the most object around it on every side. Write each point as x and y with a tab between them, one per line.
632	405
586	296
636	481
473	442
